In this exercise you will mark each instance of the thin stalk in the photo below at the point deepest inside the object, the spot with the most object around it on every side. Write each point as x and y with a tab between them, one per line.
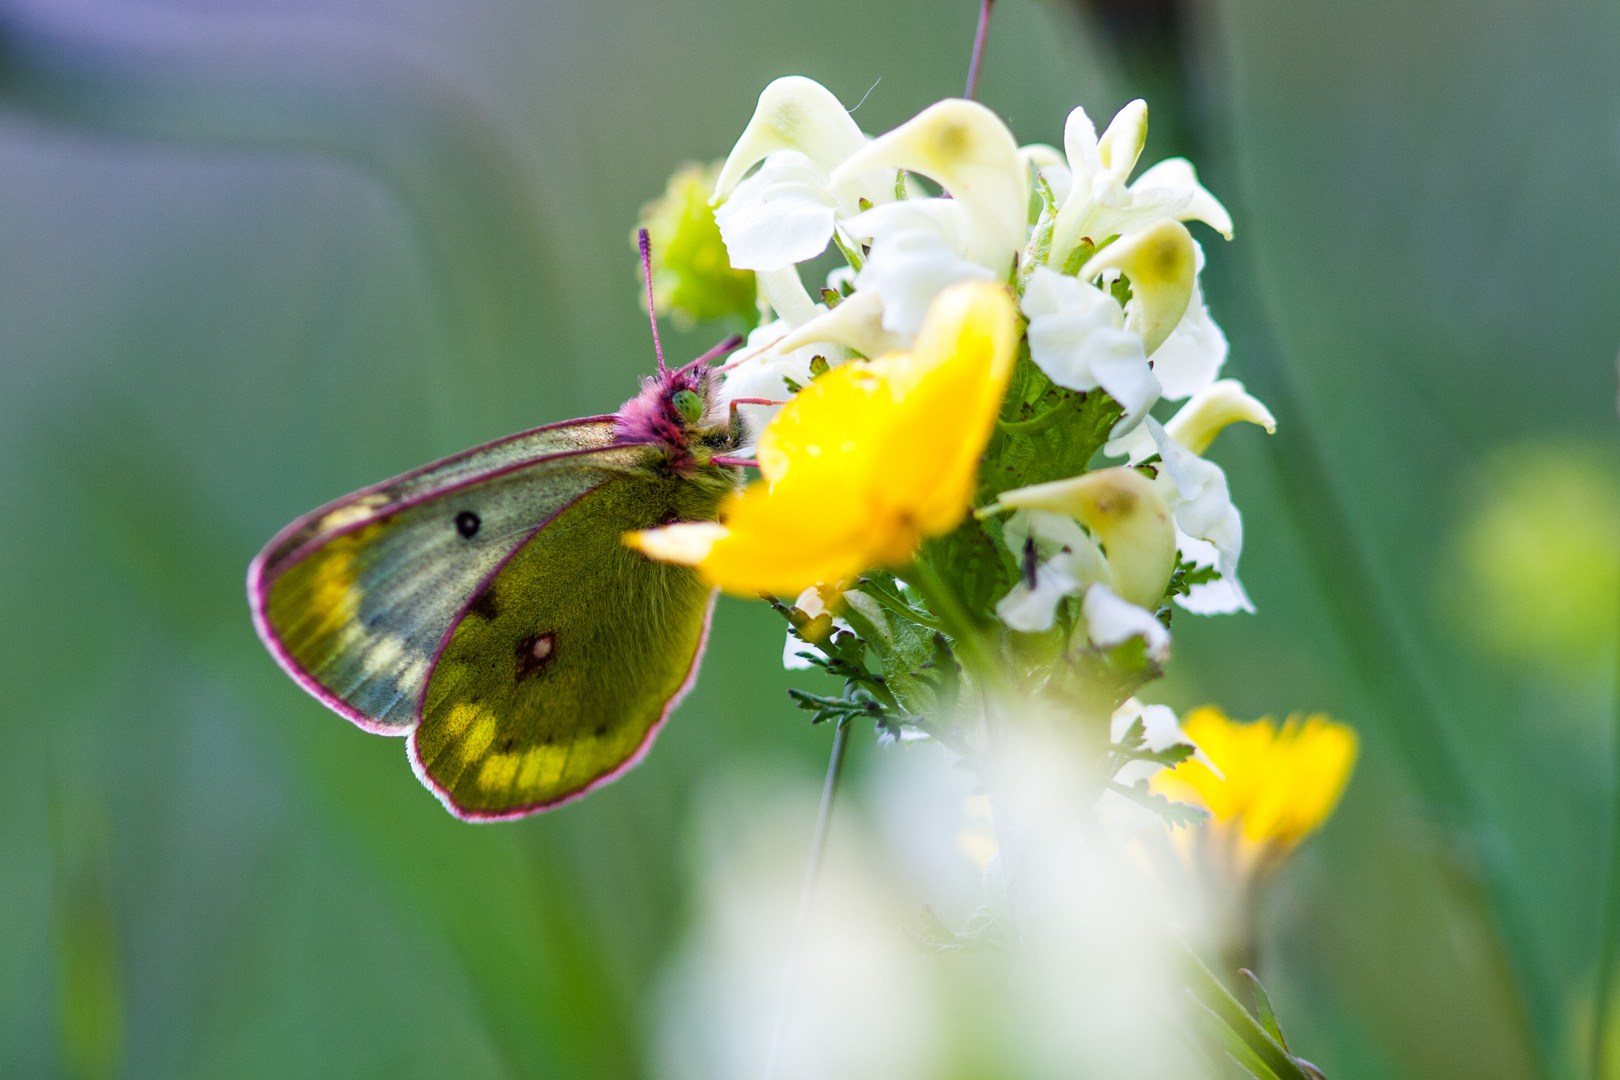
978	49
818	846
1609	936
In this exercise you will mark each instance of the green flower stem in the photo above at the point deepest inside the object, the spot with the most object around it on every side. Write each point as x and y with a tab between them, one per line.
1609	919
818	847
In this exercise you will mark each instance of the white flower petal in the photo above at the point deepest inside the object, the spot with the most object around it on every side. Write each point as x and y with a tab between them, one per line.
1076	339
1122	370
794	113
908	269
968	151
1033	610
779	216
1122	143
856	323
1178	174
786	294
1111	621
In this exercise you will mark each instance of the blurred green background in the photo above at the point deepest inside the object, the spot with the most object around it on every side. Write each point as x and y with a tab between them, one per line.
257	253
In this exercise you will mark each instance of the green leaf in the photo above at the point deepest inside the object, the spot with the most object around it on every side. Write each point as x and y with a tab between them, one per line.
1262	1007
1173	813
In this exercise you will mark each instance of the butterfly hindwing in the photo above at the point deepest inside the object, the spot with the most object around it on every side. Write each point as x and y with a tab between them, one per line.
356	598
569	659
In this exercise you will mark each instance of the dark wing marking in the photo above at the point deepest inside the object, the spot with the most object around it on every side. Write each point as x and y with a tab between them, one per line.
355	598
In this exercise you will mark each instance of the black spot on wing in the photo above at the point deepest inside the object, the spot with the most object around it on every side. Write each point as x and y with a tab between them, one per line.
467	524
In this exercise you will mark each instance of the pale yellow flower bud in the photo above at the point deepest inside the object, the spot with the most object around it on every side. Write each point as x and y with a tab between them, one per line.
1196	423
968	150
1124	512
1162	263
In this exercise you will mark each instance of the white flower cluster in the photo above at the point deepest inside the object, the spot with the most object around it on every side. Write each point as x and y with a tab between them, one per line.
1061	228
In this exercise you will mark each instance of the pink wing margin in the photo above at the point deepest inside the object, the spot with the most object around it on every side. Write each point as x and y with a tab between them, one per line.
258	583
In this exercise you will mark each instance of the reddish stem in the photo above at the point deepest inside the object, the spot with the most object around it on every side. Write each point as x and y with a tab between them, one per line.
978	49
740	462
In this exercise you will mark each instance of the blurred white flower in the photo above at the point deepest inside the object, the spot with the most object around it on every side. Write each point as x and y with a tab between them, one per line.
863	1004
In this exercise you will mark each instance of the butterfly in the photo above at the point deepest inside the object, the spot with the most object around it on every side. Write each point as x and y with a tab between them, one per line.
486	608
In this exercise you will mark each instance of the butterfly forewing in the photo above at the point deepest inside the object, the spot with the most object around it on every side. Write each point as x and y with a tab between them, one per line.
569	660
356	598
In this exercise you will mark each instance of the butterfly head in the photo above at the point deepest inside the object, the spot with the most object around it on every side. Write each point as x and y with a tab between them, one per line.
677	410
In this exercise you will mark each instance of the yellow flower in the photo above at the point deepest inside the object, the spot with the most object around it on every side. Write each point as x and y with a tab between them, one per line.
1279	785
865	462
692	275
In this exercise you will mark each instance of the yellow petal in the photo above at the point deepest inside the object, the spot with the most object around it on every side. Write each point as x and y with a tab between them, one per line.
1123	510
968	151
687	542
872	457
1280	785
1161	262
794	113
1224	402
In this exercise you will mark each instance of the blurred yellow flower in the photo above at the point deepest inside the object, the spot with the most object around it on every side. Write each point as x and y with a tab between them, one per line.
1275	786
1540	558
866	462
692	275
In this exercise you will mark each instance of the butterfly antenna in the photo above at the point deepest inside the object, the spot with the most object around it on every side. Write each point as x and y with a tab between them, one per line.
717	352
646	274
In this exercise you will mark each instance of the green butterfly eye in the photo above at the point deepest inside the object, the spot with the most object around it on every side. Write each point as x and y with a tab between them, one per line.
688	404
